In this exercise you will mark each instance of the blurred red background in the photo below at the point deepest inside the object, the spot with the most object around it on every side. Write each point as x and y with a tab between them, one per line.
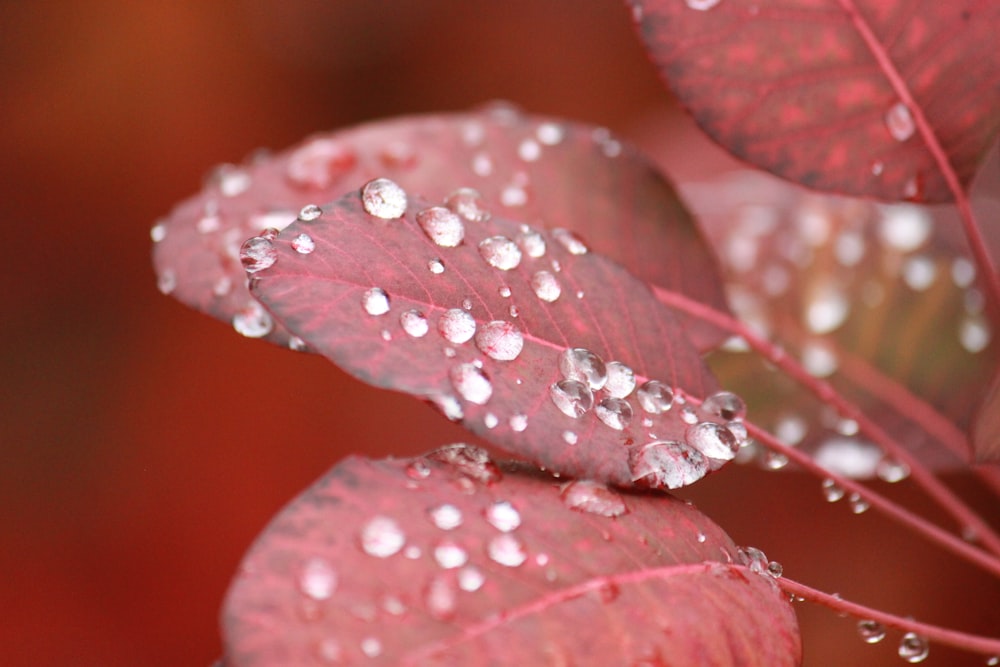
145	445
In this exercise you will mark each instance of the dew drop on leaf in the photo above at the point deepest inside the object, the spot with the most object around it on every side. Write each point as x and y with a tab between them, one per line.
573	398
899	122
446	516
507	550
594	498
468	204
471	383
913	648
621	380
726	405
546	286
577	363
858	504
166	282
253	321
371	647
892	471
450	555
317	580
414	323
500	340
310	212
469	460
457	326
569	437
320	164
614	412
375	301
471	579
303	244
503	516
158	232
440	598
500	252
383	198
257	254
655	397
570	241
871	632
713	440
435	266
666	464
832	492
441	226
382	537
532	243
550	133
518	422
490	420
449	406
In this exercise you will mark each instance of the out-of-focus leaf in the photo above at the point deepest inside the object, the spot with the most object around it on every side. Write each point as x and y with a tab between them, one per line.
986	428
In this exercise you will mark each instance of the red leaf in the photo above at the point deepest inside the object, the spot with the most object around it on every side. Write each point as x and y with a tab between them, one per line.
481	329
850	96
425	562
548	172
986	427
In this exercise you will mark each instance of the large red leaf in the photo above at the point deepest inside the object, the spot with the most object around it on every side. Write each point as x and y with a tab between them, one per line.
482	329
548	172
841	95
449	560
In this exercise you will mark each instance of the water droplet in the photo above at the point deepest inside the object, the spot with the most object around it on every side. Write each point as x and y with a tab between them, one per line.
826	309
614	412
573	398
725	404
231	180
713	440
418	469
974	334
831	491
904	227
310	212
878	167
257	254
320	163
666	464
919	272
621	380
993	661
500	252
412	552
500	340
446	516
303	244
892	471
532	243
899	122
514	195
469	460
594	498
482	164
457	326
450	555
467	303
166	282
702	537
655	397
518	422
913	648
414	323
570	241
848	457
442	226
529	150
375	301
449	406
550	134
253	321
468	204
382	537
383	199
871	632
569	437
435	266
577	363
504	292
471	579
297	344
490	420
858	504
546	286
158	232
329	651
775	569
471	383
503	516
507	550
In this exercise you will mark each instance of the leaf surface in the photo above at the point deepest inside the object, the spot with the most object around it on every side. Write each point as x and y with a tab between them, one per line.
451	560
849	96
986	427
481	330
548	172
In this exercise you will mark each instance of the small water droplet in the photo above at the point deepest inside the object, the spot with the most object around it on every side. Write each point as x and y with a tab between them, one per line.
513	311
974	334
892	471
418	469
546	286
320	163
503	516
532	243
166	282
577	363
655	397
514	195
468	204
253	321
414	323
878	167
507	550
913	648
739	431
832	491
449	406
570	241
330	651
725	404
753	558
457	326
594	498
382	537
446	516
775	461
471	383
666	464
858	504
310	212
257	254
158	232
504	292
614	412
775	569
621	379
435	266
550	133
826	309
871	632
529	150
303	244
899	122
441	226
317	579
412	552
904	227
231	180
482	164
713	440
569	437
518	422
375	301
383	199
701	538
471	461
450	555
490	420
471	579
993	661
573	398
371	647
500	252
500	340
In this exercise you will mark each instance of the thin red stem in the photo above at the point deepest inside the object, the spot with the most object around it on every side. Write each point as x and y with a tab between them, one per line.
954	638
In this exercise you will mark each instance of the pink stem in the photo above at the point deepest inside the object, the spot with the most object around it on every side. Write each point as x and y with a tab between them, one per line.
961	640
826	393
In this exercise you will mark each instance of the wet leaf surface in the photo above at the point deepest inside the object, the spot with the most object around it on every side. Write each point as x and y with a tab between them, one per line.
450	559
548	172
535	342
816	91
986	427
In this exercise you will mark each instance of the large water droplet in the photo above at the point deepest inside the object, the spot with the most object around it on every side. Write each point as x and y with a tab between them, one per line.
450	555
614	412
621	380
577	363
573	398
532	243
655	397
471	383
320	163
253	321
469	460
725	404
593	497
546	286
500	340
871	632
303	244
913	648
713	440
666	464
446	516
257	254
382	537
457	326
383	199
442	226
414	323
500	252
375	301
507	550
899	122
570	241
468	204
503	516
